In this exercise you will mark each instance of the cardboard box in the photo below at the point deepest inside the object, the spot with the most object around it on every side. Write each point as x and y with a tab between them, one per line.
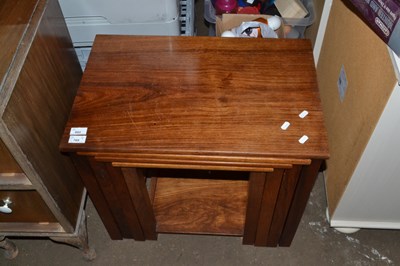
291	9
229	21
383	17
353	113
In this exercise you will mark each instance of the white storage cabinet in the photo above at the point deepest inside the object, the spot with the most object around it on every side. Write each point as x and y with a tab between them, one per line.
86	18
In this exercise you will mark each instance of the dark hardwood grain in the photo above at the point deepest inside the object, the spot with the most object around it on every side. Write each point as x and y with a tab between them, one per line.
27	207
125	203
14	19
254	201
201	105
7	162
302	191
89	179
136	184
284	200
38	108
179	95
200	206
268	206
118	200
39	77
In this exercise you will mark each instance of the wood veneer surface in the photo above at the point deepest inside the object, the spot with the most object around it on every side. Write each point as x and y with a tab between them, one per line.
185	205
14	19
7	162
27	207
40	85
199	95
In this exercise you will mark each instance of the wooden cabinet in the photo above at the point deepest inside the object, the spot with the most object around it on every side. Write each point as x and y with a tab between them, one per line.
41	193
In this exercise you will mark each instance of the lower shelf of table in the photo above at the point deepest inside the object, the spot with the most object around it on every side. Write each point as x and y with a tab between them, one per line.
199	206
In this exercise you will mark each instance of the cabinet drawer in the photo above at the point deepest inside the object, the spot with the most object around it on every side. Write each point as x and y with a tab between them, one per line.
27	207
7	162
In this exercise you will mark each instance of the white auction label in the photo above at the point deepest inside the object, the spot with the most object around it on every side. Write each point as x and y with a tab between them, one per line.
77	139
78	131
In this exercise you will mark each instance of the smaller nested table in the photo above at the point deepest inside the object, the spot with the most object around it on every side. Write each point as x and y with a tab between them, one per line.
188	135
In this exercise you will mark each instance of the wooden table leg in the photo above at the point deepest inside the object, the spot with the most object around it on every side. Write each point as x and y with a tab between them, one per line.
286	191
120	195
116	193
255	193
262	196
268	205
302	192
136	184
99	199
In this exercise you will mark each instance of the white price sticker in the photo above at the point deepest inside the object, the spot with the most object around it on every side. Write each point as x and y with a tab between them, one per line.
77	139
78	131
303	139
285	125
303	114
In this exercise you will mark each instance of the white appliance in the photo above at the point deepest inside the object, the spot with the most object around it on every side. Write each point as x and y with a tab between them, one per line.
86	18
362	184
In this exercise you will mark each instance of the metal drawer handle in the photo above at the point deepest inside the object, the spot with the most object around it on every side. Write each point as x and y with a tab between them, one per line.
5	208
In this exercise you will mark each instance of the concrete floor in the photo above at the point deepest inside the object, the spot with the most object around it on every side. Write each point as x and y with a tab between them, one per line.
315	242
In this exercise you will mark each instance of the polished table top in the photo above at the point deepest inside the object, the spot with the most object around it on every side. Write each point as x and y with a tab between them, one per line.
202	97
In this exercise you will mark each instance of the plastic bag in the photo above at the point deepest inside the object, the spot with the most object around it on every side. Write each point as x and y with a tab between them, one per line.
253	29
